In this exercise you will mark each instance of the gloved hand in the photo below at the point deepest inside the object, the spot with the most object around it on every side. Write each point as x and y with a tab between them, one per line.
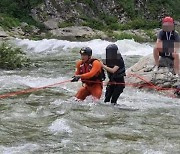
75	78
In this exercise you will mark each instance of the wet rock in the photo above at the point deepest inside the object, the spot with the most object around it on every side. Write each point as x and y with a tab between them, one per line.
3	34
142	74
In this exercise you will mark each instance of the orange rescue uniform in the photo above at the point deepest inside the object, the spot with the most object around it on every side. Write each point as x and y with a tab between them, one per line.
89	88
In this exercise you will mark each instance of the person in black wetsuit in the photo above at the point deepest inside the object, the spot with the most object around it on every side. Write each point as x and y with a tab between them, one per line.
116	71
167	44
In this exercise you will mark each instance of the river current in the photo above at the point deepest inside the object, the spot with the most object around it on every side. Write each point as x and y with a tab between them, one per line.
49	120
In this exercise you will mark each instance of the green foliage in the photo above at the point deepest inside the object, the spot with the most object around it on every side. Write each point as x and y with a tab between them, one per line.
89	2
143	24
13	12
12	58
122	36
175	9
108	19
67	2
7	22
17	10
128	6
171	8
105	22
93	23
152	35
135	24
65	24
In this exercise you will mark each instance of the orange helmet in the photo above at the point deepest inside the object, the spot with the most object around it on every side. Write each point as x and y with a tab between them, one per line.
168	19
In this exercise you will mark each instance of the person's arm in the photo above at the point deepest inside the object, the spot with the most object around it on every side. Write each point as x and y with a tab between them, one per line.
78	63
77	75
176	47
176	43
109	69
96	67
158	43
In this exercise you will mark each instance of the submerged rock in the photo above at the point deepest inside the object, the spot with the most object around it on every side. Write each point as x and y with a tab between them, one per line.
142	74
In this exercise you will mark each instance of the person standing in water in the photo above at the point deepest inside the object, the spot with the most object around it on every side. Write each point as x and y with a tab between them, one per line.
89	70
116	71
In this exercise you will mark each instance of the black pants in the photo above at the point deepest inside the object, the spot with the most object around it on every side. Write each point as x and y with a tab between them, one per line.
113	91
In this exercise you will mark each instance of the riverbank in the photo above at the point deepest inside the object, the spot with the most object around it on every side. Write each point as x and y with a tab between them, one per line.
77	33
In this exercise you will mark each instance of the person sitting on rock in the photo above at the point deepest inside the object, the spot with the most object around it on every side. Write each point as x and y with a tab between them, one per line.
167	44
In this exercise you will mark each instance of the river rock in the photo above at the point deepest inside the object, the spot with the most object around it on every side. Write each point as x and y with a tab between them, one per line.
142	74
3	34
77	32
51	24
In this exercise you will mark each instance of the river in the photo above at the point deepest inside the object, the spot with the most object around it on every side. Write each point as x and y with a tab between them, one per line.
49	120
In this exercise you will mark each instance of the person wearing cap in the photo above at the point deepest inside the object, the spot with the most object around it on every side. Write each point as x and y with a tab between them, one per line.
167	44
88	70
114	65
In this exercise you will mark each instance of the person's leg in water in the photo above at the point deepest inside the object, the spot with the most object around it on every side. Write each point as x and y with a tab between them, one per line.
109	92
82	93
118	89
95	90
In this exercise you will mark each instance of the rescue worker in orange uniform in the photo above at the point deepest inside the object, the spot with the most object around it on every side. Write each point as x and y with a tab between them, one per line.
89	71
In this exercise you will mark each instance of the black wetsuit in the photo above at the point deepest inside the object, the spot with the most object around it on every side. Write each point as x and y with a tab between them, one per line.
113	91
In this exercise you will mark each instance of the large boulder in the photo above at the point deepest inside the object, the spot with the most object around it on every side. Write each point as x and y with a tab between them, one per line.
77	32
142	75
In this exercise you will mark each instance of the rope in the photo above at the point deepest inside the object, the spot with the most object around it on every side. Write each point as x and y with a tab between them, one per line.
157	88
30	90
149	85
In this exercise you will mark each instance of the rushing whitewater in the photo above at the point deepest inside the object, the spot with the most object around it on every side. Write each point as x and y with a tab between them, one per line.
50	121
126	47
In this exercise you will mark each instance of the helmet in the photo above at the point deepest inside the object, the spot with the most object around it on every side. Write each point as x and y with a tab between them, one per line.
86	51
111	53
111	47
168	19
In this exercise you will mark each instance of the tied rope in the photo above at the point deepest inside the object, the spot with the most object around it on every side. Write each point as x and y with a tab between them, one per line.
148	85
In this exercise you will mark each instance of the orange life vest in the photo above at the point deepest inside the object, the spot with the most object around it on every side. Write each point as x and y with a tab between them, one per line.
86	67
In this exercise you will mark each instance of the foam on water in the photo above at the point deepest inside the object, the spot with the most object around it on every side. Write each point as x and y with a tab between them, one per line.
126	47
29	81
26	148
60	126
54	124
145	100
